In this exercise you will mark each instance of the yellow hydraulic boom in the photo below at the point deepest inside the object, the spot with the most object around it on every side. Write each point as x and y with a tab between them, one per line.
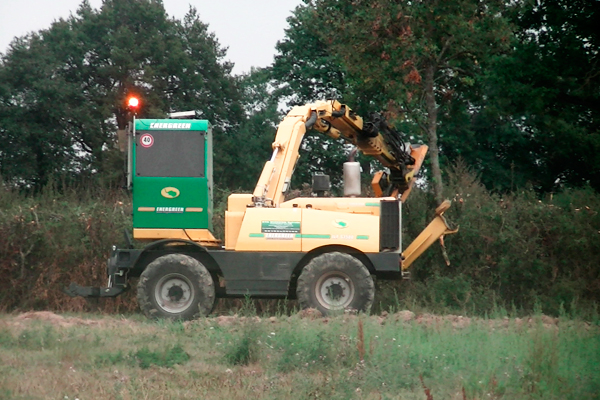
334	119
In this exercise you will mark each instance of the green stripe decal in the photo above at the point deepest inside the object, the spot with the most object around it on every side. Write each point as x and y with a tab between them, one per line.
298	236
363	237
373	204
313	236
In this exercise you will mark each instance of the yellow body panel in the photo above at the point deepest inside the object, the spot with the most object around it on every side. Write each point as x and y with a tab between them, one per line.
352	205
238	202
303	229
233	223
203	236
236	208
270	229
322	228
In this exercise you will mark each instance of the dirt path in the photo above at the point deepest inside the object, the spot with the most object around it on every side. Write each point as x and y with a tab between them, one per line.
456	321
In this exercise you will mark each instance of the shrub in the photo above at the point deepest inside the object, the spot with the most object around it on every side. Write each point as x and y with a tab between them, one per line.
512	250
54	238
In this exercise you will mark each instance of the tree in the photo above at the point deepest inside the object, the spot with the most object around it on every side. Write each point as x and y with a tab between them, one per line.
548	89
304	70
241	154
65	87
33	145
532	117
414	57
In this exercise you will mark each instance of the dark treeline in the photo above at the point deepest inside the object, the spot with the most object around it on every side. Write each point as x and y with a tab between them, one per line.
506	94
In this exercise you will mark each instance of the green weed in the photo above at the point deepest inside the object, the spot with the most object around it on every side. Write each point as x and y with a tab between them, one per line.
118	357
31	339
243	349
310	349
7	341
145	358
168	358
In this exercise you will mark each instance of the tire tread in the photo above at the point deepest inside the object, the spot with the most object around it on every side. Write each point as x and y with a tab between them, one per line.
206	298
364	285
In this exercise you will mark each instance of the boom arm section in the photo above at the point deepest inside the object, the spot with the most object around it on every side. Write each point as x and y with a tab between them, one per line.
375	138
277	172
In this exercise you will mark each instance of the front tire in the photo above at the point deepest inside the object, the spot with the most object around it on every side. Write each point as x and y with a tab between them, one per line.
177	287
333	282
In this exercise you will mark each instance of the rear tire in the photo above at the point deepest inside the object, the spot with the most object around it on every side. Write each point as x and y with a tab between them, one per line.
334	282
177	287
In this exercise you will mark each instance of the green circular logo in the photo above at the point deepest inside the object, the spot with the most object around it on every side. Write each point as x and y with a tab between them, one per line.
170	192
340	223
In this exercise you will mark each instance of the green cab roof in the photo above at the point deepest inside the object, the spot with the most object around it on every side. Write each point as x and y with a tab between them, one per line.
171	124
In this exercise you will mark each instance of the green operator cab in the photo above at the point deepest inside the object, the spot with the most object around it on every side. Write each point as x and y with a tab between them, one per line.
171	175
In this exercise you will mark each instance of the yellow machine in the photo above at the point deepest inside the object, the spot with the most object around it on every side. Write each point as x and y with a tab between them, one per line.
353	221
324	251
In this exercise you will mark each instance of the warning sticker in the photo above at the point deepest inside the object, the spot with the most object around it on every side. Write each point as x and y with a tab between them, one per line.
280	227
146	140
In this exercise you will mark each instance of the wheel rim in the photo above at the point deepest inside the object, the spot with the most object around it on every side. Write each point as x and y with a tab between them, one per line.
335	290
174	293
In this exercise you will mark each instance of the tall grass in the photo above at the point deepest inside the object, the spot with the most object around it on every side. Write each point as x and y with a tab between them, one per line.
298	358
513	252
54	238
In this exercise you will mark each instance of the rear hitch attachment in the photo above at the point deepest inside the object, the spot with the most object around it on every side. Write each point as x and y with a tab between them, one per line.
75	290
119	265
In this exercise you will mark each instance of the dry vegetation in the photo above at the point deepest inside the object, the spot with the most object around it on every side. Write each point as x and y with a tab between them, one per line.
514	252
393	356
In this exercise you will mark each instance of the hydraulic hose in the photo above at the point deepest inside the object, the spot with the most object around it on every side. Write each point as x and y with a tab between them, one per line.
311	121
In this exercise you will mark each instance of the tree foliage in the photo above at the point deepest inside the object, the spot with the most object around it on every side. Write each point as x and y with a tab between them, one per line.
410	59
511	88
304	69
303	72
64	88
536	120
564	71
241	153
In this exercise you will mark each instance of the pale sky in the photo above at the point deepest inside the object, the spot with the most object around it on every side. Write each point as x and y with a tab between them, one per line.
250	29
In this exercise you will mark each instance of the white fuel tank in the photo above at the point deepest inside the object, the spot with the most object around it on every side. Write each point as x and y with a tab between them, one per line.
352	179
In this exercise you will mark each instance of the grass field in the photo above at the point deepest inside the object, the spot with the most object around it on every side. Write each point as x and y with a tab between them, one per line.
395	356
